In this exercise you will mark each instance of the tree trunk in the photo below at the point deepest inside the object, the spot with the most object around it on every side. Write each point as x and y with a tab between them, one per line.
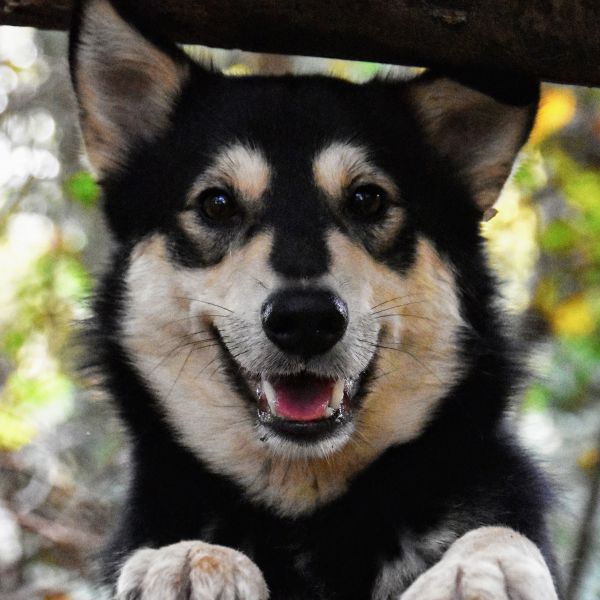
555	40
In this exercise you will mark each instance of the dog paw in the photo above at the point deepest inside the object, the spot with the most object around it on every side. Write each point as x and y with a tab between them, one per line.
190	571
490	563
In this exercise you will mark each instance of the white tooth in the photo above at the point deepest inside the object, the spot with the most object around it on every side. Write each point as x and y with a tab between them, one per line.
329	411
269	391
337	395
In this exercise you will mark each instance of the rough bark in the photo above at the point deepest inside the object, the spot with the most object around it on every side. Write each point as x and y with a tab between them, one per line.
555	40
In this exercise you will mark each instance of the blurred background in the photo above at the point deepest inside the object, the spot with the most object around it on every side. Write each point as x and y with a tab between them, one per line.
62	456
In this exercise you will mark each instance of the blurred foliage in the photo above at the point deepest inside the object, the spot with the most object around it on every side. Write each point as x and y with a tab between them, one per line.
59	453
57	461
545	242
42	280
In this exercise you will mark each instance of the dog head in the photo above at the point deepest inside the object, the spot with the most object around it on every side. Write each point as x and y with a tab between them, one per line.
291	297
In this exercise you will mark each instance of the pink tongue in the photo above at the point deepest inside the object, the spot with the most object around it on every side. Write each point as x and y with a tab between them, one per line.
302	398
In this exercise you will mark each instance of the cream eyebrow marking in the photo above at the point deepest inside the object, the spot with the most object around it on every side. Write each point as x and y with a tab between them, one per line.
240	167
340	164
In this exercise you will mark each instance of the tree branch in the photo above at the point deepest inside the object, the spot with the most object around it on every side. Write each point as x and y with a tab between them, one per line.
59	534
585	537
554	40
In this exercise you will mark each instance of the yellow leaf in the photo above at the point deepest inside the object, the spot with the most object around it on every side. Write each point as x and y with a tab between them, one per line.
340	69
557	109
512	246
588	459
14	432
546	296
573	317
238	70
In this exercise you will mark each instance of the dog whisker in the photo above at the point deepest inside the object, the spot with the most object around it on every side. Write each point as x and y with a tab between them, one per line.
205	302
392	300
376	312
181	369
405	352
404	315
261	283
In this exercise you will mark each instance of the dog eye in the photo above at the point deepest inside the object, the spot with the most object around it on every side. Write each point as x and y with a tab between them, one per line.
217	206
367	202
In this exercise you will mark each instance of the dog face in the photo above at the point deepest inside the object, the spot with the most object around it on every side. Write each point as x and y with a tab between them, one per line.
290	299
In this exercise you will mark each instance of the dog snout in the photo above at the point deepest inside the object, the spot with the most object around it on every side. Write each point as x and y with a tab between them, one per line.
304	322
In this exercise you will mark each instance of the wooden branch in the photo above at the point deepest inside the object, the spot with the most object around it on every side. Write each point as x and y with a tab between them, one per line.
61	535
555	40
584	543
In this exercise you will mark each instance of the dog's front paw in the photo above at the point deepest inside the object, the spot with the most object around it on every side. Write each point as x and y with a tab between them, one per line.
490	563
190	571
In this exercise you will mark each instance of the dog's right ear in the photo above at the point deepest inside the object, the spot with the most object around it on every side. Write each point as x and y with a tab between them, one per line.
126	85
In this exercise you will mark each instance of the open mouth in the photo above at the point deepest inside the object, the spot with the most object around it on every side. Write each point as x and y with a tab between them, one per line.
304	407
301	398
304	404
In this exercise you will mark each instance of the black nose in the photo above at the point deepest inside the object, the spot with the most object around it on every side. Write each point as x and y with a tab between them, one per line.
304	322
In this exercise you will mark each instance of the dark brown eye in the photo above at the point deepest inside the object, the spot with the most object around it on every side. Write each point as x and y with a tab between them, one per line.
367	202
217	206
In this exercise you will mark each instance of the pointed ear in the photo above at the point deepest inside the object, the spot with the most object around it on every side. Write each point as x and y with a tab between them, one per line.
478	123
126	85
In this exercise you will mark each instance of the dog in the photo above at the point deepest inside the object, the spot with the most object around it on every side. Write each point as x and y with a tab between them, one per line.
300	331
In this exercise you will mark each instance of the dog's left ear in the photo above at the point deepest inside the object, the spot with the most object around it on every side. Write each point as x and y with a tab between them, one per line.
126	84
477	123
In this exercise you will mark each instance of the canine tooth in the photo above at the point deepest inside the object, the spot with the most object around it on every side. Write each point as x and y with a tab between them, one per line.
269	391
337	395
329	411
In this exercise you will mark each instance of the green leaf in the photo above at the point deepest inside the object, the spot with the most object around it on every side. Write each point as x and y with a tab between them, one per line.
537	398
13	341
368	69
558	237
72	279
82	188
28	392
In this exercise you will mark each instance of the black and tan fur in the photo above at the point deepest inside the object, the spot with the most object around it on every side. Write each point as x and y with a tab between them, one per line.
424	455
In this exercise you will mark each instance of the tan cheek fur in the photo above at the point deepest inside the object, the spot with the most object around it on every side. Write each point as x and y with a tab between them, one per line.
418	361
211	420
220	427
